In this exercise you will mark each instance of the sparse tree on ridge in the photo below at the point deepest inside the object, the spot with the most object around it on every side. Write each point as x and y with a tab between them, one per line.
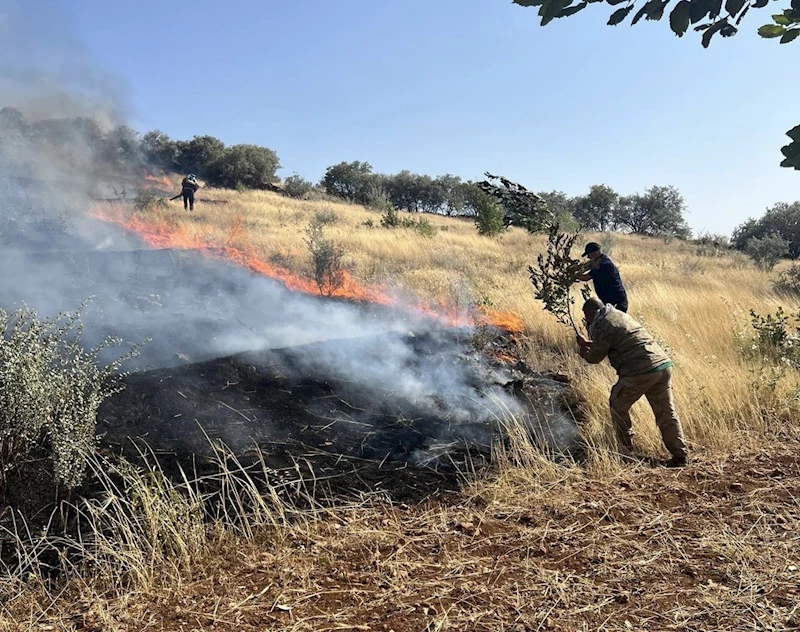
349	180
659	211
597	210
250	166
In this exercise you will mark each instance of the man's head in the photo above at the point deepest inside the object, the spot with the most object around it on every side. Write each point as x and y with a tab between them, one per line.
592	250
591	307
191	177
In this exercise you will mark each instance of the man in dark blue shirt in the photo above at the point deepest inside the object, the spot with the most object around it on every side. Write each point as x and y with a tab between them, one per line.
607	282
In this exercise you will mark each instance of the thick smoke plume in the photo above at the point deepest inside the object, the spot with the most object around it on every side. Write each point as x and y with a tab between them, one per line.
63	144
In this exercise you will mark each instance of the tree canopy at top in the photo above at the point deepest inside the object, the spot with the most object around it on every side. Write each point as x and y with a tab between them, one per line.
707	17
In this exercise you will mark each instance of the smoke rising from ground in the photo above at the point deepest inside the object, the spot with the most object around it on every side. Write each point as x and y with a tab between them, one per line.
59	149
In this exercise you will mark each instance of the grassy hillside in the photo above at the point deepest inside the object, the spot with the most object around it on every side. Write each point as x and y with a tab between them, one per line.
694	304
533	546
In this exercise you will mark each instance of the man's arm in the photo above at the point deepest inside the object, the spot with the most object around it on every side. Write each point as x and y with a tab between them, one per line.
593	351
584	277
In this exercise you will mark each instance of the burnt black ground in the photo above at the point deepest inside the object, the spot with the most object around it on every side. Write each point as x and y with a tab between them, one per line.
357	395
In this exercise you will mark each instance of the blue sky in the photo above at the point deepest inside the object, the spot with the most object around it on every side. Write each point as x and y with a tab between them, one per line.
460	86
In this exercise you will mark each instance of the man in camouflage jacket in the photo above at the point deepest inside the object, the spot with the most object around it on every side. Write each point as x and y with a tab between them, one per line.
643	368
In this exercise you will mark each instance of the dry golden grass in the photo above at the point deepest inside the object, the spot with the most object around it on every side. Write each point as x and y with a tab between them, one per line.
536	546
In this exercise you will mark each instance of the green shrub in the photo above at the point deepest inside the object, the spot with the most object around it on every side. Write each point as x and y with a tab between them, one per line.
390	219
296	186
767	251
788	281
148	200
50	393
325	218
774	339
489	216
424	228
327	259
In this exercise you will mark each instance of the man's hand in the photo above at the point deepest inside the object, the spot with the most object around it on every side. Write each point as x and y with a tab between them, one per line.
583	345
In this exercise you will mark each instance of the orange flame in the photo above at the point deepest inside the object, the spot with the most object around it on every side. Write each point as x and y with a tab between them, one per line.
161	180
162	234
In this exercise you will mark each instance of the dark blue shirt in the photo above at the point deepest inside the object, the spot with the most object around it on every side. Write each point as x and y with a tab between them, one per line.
608	284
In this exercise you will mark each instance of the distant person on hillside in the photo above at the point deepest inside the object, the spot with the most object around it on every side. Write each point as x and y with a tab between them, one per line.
643	368
607	282
189	187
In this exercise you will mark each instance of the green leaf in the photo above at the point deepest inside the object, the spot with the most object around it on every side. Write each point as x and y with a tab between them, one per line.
790	35
619	15
714	28
679	18
616	2
572	10
794	133
657	11
528	3
698	10
734	6
771	30
640	13
760	4
552	9
781	19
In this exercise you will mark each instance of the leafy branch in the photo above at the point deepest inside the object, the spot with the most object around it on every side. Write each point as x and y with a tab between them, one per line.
555	273
522	207
708	17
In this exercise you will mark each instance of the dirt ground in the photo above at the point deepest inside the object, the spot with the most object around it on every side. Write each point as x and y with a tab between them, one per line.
714	546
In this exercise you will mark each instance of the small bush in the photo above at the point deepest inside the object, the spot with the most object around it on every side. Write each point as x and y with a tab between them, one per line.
712	244
148	200
788	281
296	186
767	251
425	229
49	396
327	259
377	199
390	219
368	223
774	339
325	218
489	216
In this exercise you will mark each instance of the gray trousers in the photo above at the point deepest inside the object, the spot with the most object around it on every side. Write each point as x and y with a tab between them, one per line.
657	388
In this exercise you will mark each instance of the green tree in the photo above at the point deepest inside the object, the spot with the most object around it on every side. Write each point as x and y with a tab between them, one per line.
452	189
597	210
349	180
160	150
782	219
767	251
248	166
708	17
521	207
202	152
402	190
489	215
296	186
658	212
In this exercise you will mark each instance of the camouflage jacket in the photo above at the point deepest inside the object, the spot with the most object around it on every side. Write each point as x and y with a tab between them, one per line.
630	349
